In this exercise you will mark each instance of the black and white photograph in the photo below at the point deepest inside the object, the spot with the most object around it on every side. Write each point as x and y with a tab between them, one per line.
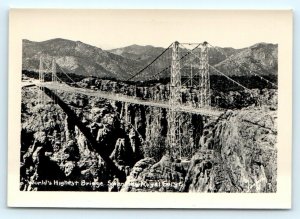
143	101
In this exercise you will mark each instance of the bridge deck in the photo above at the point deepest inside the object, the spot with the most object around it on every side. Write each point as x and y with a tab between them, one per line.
123	98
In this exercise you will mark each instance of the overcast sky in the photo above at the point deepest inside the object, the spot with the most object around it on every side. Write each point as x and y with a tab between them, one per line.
111	29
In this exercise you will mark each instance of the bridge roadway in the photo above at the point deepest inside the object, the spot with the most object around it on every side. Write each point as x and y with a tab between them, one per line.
211	112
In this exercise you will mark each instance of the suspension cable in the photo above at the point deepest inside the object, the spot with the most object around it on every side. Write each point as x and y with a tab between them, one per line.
61	80
66	74
188	53
139	72
218	71
222	73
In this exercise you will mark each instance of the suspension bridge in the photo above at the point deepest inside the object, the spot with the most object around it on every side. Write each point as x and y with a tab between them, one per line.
187	66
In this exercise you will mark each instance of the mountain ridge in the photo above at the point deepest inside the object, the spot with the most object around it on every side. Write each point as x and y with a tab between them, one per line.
120	63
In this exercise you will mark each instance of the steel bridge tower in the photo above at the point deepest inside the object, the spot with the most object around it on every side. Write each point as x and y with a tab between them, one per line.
174	102
200	79
204	80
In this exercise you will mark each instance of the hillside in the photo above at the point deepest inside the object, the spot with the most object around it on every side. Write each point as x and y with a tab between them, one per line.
86	60
261	58
79	58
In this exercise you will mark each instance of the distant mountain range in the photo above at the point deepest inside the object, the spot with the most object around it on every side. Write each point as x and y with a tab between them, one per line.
78	58
138	53
86	60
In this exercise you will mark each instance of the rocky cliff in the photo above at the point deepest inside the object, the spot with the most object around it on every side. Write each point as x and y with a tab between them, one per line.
237	153
233	153
243	154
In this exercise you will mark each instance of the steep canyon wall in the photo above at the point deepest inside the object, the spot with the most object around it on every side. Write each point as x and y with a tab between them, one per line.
235	153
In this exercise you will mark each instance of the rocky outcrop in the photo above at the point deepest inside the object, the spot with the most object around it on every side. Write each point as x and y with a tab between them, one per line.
123	153
136	174
238	154
265	99
69	154
147	175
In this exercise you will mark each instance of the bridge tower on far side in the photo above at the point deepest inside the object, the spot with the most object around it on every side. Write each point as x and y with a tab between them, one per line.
41	70
174	138
54	77
41	96
204	80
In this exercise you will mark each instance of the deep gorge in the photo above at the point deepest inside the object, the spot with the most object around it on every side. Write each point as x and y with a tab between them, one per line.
233	153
